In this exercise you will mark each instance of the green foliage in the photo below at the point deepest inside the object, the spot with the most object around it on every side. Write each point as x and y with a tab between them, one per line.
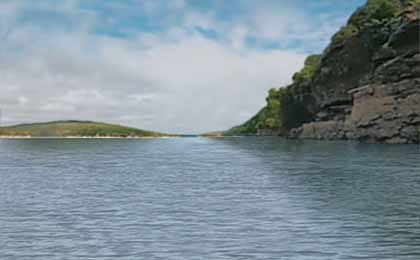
268	117
249	127
374	10
412	2
311	66
282	113
343	34
271	119
75	128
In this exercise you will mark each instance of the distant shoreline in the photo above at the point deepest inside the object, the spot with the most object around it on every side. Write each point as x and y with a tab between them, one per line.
14	137
87	137
72	129
119	137
76	129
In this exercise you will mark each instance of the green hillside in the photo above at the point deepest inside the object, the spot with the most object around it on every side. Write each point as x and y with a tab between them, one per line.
75	128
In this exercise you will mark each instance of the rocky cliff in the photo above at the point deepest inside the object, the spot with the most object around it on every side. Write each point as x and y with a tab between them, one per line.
365	86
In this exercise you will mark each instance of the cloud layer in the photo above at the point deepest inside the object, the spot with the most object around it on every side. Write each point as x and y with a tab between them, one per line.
193	71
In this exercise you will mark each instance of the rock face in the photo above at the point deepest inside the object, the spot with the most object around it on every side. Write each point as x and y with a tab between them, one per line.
368	89
364	87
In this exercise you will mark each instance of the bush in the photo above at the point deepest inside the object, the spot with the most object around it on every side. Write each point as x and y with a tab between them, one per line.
374	10
412	2
308	71
271	115
282	113
345	33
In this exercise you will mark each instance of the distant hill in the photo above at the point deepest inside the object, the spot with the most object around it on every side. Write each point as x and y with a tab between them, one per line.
75	129
214	134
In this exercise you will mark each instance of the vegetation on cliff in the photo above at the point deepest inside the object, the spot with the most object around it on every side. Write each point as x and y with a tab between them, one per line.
311	66
283	111
74	129
373	12
286	106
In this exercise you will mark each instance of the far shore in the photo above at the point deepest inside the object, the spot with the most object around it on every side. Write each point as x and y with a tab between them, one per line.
113	137
87	137
14	137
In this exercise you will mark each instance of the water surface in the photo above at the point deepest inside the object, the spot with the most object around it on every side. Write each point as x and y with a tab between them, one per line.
196	198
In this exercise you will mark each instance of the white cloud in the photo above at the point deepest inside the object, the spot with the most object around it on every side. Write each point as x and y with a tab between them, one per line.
175	80
22	101
192	84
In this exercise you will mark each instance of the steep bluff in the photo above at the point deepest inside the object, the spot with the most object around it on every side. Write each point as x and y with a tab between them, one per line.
365	86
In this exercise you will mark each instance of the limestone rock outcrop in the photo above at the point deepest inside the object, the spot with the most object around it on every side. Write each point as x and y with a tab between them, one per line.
364	87
378	97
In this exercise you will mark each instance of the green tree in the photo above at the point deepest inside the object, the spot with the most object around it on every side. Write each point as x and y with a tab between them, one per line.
374	10
343	34
311	66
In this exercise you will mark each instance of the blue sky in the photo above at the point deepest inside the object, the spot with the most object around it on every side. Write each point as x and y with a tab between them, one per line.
168	65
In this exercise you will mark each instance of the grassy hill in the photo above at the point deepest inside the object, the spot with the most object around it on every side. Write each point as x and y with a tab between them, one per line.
76	129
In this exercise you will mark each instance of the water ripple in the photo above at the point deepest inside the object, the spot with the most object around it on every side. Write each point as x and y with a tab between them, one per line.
239	198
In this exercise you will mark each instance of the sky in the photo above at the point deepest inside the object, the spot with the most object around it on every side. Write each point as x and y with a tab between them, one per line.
176	66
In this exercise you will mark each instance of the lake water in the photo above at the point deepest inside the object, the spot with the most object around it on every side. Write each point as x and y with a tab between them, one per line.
197	198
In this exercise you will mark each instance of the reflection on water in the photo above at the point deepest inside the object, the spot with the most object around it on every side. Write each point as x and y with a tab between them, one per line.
196	198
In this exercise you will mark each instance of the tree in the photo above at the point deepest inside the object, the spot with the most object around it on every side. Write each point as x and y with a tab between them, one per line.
308	71
374	10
